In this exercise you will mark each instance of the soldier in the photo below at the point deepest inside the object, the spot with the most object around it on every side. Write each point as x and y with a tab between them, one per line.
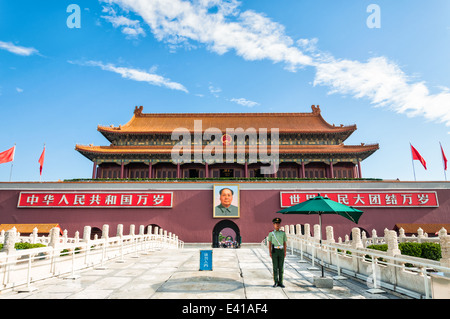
277	249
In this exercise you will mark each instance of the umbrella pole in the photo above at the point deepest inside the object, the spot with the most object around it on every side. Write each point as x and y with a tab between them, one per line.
320	227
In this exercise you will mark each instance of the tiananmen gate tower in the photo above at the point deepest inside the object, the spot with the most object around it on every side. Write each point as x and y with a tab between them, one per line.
170	170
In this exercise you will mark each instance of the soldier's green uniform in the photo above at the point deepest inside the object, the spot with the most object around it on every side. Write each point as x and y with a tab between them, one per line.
277	240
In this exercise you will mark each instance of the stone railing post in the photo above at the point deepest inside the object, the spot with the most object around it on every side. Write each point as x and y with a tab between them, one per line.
445	251
54	237
420	235
10	238
392	242
298	229
87	233
292	229
149	229
317	232
401	235
105	232
307	233
364	239
330	234
356	244
119	231
356	238
65	236
34	236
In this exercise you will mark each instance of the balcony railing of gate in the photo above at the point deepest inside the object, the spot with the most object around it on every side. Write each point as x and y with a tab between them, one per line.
391	270
65	257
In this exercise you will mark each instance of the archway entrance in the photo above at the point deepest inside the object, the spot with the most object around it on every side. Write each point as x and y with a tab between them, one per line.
225	225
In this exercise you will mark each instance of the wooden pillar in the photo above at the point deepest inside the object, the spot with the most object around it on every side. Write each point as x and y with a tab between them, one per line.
331	170
275	175
206	170
246	169
94	170
150	170
178	170
303	170
121	170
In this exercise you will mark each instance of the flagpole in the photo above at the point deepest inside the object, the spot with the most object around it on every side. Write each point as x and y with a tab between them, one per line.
412	159
12	163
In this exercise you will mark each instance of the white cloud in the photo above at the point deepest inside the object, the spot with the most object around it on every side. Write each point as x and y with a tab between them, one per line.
132	28
244	102
19	90
251	35
24	51
214	90
222	27
383	83
136	75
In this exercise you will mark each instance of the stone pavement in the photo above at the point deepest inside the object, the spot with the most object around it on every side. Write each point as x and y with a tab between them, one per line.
243	273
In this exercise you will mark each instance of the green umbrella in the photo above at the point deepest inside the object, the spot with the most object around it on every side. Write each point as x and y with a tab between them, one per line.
322	205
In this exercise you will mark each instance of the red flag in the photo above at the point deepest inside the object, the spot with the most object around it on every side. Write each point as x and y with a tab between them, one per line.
7	156
416	156
444	158
41	161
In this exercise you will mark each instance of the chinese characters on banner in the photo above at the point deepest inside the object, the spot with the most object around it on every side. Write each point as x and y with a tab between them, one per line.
369	199
95	199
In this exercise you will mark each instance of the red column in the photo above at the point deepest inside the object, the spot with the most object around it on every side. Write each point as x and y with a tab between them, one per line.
206	170
331	170
121	170
178	170
303	170
150	170
246	170
275	175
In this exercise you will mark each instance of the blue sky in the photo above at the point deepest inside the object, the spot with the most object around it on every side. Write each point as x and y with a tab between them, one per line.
58	83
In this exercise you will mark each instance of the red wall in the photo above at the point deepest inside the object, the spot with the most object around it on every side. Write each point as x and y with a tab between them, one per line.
191	216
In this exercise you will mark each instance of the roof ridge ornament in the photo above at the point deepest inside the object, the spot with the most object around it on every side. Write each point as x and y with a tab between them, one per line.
138	110
315	109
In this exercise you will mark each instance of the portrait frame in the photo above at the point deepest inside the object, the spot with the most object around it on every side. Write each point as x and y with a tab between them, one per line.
234	210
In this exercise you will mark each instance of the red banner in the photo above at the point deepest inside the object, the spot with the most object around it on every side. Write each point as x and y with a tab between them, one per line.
366	199
95	200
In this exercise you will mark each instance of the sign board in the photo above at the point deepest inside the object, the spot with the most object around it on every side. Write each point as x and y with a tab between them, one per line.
366	199
95	200
206	259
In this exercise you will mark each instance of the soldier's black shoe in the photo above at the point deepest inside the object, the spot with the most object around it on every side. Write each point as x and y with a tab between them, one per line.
275	285
281	285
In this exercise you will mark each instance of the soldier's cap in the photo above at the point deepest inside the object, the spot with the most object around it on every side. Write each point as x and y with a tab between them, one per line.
276	221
